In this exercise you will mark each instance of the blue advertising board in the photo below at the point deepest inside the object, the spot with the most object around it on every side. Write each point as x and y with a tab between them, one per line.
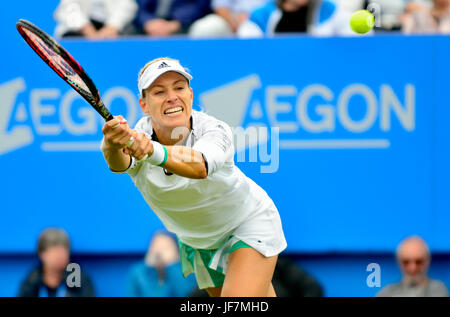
349	136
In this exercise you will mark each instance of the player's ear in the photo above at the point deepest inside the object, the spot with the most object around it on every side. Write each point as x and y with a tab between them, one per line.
143	104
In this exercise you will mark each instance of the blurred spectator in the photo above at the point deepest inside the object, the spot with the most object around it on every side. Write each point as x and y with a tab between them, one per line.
159	274
227	17
95	19
49	278
392	12
289	280
413	257
162	18
319	17
429	20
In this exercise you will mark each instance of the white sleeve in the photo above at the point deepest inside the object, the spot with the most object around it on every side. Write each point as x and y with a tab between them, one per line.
216	145
120	13
134	167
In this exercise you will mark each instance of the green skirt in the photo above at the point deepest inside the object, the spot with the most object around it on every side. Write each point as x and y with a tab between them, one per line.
209	266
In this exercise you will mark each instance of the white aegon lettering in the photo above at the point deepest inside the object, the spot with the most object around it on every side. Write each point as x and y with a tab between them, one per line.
371	114
389	101
89	126
325	111
39	110
276	107
130	102
19	135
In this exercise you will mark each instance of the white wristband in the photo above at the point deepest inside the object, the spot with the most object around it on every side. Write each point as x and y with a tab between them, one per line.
159	156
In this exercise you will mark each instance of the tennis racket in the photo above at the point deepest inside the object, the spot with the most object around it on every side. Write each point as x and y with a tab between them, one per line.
55	56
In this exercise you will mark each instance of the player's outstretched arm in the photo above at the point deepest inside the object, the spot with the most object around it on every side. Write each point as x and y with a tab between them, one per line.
185	161
180	160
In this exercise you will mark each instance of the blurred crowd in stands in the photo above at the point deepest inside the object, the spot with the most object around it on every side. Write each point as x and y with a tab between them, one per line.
100	19
159	273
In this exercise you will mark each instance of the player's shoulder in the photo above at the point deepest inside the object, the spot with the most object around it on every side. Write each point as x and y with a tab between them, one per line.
202	116
202	121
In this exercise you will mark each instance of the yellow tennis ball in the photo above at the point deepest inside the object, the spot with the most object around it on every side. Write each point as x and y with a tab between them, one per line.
362	21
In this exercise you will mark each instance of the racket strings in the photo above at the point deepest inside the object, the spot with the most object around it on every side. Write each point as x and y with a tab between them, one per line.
55	56
57	62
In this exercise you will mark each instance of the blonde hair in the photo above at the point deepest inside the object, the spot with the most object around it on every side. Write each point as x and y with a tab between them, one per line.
150	63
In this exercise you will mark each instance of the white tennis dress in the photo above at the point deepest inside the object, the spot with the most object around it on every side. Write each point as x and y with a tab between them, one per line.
205	213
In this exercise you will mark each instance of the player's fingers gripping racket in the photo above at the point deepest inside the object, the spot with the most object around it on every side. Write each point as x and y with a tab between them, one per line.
55	56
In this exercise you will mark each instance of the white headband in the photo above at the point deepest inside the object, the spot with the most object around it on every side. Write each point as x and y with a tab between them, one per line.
155	70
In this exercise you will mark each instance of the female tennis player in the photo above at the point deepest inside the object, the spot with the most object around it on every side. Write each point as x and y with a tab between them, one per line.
229	230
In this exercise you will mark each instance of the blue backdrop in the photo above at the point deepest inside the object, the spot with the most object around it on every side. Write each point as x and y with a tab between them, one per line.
362	124
362	138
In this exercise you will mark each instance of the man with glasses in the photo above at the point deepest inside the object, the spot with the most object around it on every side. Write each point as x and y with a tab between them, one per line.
413	257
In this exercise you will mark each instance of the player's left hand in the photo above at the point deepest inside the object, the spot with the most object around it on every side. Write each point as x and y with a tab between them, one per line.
140	146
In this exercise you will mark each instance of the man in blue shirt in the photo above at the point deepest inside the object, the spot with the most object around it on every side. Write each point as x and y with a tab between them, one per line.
160	274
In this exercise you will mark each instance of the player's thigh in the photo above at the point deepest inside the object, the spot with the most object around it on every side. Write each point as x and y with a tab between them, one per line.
214	291
249	273
271	291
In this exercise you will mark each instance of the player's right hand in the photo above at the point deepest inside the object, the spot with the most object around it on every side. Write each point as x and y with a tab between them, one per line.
116	133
